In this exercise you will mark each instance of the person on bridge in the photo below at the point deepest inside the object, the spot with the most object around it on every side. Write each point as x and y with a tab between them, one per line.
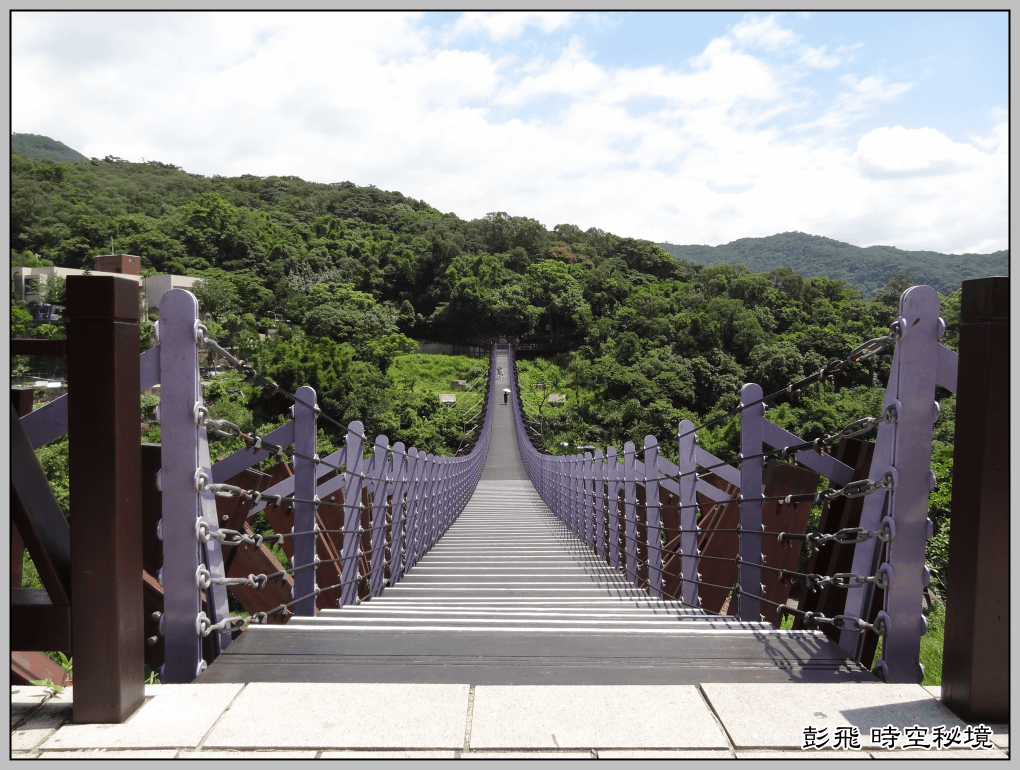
506	394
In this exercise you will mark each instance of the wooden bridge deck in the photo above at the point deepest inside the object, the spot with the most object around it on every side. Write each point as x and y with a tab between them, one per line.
509	597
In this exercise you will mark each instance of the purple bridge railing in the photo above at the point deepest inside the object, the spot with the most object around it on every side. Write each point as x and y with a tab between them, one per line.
427	493
581	488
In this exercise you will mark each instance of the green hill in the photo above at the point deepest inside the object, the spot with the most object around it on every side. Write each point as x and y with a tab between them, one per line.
868	269
44	148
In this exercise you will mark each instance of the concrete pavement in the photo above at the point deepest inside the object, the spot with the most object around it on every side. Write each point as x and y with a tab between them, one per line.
460	721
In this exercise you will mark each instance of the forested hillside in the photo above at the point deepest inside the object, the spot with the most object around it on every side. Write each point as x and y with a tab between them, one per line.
348	278
44	148
867	269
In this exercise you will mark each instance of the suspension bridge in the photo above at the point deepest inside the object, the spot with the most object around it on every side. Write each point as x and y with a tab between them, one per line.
501	568
510	596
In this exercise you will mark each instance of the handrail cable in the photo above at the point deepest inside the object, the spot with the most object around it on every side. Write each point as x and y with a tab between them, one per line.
862	352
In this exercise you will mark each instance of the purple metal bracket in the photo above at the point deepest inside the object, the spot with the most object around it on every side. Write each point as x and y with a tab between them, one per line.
245	458
825	464
49	421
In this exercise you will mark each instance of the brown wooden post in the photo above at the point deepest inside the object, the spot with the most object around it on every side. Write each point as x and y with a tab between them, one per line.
152	509
152	556
975	663
22	399
105	479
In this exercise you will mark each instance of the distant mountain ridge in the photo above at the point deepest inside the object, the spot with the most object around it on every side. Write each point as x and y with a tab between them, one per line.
44	148
868	269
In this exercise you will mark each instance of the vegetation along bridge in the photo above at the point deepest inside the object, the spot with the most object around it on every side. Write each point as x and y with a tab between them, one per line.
504	564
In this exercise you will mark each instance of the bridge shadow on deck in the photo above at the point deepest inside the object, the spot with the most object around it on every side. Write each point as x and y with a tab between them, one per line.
509	596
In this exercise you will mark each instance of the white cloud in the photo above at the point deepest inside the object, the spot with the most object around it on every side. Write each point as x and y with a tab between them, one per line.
898	152
727	75
998	138
816	58
504	25
573	74
765	33
862	98
375	99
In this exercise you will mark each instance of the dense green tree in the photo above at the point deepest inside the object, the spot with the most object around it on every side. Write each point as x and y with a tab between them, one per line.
217	296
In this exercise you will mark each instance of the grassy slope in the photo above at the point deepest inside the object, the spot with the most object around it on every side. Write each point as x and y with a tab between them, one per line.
435	373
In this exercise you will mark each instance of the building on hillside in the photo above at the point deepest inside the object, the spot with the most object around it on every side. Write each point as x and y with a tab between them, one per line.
29	283
125	264
158	285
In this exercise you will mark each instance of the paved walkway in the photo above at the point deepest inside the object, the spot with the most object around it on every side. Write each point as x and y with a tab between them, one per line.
450	721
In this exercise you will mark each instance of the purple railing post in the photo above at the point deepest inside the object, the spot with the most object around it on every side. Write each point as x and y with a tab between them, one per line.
550	486
749	585
630	511
573	468
542	481
444	505
613	508
566	492
587	501
689	574
424	505
354	480
578	485
653	519
557	489
905	459
378	518
413	491
185	460
428	471
398	472
305	466
600	504
446	510
439	491
428	499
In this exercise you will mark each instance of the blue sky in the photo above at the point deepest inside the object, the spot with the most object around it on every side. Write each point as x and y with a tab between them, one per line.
689	127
